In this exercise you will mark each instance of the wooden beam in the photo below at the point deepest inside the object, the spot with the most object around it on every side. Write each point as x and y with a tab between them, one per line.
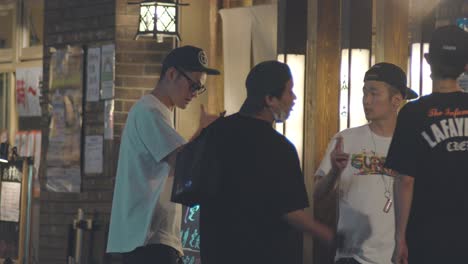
322	84
215	84
392	32
321	96
23	213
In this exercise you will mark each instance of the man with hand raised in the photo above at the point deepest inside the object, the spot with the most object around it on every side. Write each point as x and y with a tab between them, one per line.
354	163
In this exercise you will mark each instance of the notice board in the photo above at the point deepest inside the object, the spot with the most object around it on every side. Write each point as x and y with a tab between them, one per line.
11	176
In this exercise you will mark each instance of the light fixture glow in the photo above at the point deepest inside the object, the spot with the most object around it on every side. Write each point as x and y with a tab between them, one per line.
147	11
422	84
294	127
344	89
158	19
351	88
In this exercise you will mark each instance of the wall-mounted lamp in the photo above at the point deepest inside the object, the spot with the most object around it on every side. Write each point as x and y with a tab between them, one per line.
4	147
159	19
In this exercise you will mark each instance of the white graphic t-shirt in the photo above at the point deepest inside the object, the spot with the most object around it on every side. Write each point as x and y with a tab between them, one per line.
364	189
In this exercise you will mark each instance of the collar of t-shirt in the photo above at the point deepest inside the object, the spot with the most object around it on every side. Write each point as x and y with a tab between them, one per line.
153	101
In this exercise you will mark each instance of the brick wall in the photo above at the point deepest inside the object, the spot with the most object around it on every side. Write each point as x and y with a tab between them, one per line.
138	63
82	23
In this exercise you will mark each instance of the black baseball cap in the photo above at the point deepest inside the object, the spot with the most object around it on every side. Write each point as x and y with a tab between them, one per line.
188	58
449	46
391	74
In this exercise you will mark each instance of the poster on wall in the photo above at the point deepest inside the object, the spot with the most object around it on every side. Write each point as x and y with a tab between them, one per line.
28	91
64	150
93	154
93	73
10	201
107	71
10	192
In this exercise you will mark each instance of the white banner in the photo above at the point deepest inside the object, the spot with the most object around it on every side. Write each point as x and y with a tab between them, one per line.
247	32
28	91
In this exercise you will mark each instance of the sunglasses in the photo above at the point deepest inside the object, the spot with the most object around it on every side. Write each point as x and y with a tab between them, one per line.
195	87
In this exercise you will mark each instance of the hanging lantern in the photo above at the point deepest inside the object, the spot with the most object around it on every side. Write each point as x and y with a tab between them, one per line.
159	19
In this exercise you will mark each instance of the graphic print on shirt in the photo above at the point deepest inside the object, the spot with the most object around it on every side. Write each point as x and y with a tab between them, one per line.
368	163
450	129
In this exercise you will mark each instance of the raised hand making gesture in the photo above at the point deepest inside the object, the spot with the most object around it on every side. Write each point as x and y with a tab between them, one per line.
339	159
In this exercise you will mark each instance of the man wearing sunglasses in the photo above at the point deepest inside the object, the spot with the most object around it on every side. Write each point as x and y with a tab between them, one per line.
145	224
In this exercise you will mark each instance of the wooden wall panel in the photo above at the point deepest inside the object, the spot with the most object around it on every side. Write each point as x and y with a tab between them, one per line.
392	32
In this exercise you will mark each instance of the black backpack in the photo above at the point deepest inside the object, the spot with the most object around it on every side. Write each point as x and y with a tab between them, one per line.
197	168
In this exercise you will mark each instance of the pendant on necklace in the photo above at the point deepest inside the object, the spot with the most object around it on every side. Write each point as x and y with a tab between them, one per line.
388	205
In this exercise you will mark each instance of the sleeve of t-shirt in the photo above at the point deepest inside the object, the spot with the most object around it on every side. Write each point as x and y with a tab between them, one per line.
325	164
287	184
402	153
159	138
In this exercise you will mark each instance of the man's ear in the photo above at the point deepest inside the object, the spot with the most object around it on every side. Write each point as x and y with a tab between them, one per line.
171	74
270	100
466	67
397	100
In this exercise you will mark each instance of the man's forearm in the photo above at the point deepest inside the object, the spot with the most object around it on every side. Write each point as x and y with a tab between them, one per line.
326	184
304	222
403	196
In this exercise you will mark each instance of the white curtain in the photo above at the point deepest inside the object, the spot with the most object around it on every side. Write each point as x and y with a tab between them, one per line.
264	32
249	37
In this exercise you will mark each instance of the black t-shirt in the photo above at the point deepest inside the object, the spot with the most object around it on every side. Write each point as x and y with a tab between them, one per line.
430	143
261	181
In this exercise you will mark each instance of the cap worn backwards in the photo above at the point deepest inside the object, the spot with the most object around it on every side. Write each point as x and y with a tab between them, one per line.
449	46
188	58
391	74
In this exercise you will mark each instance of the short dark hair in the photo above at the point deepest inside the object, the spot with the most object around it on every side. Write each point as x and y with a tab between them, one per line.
266	78
440	71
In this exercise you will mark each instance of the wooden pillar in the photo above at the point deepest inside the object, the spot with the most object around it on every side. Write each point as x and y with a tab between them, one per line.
321	97
392	32
215	84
